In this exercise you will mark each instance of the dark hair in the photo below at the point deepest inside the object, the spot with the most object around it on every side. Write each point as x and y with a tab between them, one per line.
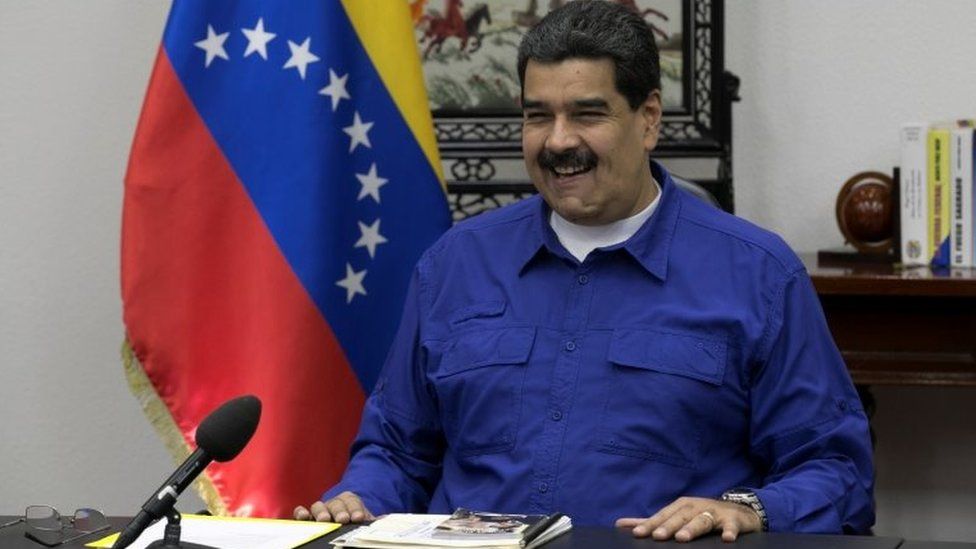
594	29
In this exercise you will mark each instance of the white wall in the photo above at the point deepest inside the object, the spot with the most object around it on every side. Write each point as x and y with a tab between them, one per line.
72	79
825	86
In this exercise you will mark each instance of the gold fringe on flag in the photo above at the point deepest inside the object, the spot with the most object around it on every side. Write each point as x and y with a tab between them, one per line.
159	416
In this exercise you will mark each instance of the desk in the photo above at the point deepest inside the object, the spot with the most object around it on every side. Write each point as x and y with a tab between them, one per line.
911	544
613	538
894	326
595	538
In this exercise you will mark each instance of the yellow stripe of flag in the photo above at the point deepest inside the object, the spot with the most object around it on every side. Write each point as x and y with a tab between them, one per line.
385	29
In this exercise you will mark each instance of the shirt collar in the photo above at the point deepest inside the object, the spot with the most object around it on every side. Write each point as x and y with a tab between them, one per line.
650	246
539	236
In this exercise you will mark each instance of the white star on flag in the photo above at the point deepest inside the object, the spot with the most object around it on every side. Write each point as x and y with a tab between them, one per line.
353	283
371	184
336	88
257	40
300	57
370	237
357	133
213	44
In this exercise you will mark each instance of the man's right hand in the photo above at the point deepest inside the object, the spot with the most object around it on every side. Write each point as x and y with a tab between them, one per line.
345	508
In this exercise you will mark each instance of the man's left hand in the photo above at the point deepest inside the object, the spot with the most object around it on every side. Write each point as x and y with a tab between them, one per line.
688	518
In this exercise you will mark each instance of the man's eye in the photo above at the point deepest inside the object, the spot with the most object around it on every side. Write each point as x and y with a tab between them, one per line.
590	114
536	115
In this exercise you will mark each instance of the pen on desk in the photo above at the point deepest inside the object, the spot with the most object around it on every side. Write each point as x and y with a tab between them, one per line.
538	528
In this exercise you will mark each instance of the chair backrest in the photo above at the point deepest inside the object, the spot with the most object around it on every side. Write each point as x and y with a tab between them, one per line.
696	190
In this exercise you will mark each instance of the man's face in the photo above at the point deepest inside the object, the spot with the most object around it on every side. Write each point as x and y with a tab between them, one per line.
585	149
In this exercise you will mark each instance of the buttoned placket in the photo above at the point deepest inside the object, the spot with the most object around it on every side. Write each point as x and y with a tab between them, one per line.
562	387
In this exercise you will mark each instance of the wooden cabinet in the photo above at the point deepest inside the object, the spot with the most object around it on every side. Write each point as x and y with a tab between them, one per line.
911	326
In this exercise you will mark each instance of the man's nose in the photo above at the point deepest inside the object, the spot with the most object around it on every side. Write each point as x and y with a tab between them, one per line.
563	136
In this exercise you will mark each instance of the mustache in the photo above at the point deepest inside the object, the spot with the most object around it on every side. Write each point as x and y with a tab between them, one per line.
568	158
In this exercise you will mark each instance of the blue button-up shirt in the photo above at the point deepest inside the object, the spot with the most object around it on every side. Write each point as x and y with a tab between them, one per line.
688	360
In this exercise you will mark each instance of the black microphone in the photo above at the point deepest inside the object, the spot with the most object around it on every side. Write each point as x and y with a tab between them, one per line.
220	437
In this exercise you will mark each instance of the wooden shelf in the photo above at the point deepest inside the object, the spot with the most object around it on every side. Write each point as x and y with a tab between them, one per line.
900	326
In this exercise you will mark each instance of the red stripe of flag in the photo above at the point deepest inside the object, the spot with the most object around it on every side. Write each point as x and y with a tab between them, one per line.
210	301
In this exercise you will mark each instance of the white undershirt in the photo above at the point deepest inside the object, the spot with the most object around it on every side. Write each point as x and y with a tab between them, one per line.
580	240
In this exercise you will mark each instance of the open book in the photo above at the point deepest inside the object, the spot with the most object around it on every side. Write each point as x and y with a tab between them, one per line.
462	529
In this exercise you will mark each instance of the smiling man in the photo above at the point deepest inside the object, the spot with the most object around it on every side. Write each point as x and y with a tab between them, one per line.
614	348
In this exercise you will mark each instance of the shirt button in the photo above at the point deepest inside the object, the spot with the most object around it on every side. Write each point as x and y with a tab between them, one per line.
556	415
543	487
583	279
570	346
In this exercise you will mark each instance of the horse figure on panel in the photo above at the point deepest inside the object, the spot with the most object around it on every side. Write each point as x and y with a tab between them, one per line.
479	15
439	28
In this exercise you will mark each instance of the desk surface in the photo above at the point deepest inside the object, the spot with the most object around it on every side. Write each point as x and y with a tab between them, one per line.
612	538
603	538
888	279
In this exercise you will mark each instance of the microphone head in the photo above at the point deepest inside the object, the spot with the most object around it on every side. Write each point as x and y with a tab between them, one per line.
227	430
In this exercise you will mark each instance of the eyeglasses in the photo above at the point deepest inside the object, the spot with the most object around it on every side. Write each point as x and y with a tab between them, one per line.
46	526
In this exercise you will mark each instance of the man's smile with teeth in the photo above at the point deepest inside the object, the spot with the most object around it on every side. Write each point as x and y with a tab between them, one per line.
566	171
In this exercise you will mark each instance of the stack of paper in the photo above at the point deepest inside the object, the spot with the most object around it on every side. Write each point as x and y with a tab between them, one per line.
226	532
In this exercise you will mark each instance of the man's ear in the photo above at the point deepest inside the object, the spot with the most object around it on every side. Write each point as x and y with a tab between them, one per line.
651	111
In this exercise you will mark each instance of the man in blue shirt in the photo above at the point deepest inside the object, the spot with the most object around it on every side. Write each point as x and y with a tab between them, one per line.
613	348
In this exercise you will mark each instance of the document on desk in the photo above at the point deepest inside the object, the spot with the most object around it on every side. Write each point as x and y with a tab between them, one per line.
233	533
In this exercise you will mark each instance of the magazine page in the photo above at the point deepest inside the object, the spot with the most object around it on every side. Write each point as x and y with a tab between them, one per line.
465	524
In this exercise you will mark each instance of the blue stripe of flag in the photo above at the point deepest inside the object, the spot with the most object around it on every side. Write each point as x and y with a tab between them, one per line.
289	149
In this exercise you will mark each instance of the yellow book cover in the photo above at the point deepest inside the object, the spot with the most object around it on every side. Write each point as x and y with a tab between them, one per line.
938	195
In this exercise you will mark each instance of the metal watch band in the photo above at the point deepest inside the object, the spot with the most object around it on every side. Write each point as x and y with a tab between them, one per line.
751	500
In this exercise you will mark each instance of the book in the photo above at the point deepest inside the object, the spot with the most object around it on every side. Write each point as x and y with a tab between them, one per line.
971	203
938	196
912	196
961	238
464	528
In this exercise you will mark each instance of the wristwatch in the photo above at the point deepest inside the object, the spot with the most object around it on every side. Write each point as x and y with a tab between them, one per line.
748	498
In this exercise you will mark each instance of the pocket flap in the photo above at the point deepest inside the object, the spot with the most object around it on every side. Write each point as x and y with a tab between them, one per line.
683	355
483	309
486	348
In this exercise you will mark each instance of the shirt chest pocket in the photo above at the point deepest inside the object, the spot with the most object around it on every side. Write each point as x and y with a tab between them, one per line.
659	384
479	385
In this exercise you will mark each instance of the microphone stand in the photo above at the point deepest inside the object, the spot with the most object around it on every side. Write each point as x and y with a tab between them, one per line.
171	536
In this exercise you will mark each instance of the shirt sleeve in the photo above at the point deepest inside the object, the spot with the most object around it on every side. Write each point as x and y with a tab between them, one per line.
395	461
808	428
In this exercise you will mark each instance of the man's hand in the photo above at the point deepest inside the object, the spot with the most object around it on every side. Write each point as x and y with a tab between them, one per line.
344	508
688	518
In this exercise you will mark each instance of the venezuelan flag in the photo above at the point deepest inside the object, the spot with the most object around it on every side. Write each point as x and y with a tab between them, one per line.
282	183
